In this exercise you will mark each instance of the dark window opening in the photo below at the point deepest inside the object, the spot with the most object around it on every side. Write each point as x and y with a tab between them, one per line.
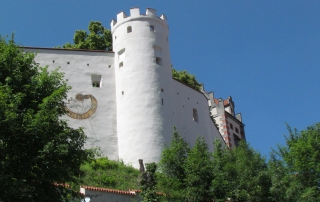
129	29
158	60
236	139
96	80
96	84
195	115
151	28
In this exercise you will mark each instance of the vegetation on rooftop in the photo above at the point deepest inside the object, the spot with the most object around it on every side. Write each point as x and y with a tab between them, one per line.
185	77
103	172
98	38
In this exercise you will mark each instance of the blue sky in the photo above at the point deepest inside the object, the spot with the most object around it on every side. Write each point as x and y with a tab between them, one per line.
265	54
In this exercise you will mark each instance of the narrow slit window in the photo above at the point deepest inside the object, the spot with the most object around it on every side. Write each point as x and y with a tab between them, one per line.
151	28
162	101
129	29
195	115
120	64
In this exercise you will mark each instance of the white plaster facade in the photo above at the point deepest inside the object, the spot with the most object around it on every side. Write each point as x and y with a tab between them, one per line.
138	101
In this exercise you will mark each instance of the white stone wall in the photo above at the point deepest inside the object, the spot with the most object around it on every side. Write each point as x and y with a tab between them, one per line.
138	123
138	101
142	84
185	100
101	127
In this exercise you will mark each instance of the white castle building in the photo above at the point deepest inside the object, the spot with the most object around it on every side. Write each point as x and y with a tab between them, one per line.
127	100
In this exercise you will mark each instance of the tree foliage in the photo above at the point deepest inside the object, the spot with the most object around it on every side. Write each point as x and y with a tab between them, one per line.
196	175
148	183
186	78
199	173
39	151
98	38
296	167
172	167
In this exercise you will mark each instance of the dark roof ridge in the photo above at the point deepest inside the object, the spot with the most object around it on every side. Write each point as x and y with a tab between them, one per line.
66	49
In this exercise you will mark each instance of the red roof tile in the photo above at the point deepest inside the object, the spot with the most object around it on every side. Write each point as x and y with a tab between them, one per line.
133	192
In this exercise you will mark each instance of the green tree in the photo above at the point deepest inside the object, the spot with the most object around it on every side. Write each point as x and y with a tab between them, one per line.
199	173
39	152
172	167
98	38
220	183
298	166
243	174
186	78
252	181
148	183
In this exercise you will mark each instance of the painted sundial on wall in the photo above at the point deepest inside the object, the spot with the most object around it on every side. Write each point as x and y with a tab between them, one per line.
81	106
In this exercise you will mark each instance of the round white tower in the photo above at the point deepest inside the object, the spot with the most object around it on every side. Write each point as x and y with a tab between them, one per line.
143	85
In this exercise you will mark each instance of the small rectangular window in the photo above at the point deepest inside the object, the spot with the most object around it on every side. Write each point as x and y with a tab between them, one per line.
195	115
162	101
231	126
96	80
151	28
158	60
96	84
129	29
120	64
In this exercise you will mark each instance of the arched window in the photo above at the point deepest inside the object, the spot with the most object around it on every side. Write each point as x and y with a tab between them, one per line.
195	115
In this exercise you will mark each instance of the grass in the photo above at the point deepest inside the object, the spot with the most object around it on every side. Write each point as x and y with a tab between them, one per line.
103	172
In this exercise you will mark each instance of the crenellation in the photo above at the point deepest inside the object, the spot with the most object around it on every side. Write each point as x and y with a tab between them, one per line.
120	16
113	22
151	12
135	13
163	17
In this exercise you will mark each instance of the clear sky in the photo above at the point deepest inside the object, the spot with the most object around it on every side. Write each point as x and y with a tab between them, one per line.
265	54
